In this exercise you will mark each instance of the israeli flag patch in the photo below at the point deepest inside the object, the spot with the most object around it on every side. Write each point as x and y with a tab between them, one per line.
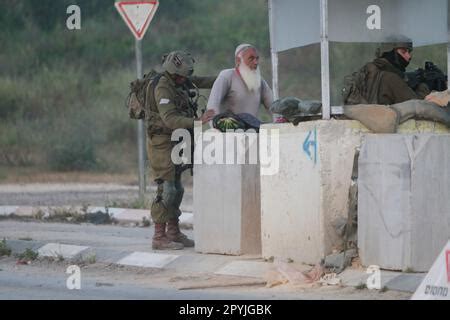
164	101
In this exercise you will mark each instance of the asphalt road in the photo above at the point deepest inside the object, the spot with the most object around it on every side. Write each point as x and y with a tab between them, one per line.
77	195
44	279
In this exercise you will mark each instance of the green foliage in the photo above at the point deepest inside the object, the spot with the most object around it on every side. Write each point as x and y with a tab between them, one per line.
28	255
62	92
4	250
10	98
73	148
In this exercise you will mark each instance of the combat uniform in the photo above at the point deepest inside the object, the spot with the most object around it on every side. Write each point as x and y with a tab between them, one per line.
392	87
172	109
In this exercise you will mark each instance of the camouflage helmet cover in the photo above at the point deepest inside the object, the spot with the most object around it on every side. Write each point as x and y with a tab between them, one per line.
394	42
179	62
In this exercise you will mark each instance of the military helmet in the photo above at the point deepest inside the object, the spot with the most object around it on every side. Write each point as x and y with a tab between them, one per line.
179	62
393	43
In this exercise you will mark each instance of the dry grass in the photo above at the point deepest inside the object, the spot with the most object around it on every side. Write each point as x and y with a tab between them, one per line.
35	175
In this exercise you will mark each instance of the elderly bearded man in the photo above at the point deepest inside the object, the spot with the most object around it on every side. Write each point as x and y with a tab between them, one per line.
242	89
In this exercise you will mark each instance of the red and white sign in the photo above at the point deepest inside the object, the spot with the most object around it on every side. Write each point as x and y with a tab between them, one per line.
137	15
436	285
447	259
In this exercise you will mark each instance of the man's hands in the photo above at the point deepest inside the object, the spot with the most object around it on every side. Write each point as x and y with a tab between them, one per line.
440	98
207	116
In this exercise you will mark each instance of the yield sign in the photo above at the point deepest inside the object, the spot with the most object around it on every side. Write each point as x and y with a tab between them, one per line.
137	15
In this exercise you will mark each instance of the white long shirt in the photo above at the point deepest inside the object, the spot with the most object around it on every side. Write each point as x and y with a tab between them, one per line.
229	92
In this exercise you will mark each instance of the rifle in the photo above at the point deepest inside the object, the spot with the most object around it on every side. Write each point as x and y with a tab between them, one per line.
194	96
432	76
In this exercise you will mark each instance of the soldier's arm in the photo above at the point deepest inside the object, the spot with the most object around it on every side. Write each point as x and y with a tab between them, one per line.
168	110
203	82
398	88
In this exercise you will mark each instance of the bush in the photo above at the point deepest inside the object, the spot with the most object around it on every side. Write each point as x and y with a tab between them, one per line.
74	148
10	99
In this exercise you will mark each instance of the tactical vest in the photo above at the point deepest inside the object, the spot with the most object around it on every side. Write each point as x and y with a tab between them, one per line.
182	101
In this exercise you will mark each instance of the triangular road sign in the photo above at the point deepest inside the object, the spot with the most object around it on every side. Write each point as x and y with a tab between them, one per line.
436	285
137	15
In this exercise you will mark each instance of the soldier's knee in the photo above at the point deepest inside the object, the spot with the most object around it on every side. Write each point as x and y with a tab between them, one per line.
170	193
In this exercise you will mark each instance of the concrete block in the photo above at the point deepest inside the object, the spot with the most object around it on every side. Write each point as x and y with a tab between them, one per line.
227	208
403	207
8	210
55	250
310	192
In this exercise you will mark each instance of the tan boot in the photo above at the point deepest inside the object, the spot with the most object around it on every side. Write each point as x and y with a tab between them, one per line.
174	234
160	240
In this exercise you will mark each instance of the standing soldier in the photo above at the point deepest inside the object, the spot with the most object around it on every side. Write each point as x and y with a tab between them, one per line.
172	109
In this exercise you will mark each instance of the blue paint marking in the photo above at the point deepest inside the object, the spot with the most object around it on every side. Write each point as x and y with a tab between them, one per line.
311	142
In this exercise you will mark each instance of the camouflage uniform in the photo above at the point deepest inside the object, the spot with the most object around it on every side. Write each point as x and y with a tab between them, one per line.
172	110
393	87
390	80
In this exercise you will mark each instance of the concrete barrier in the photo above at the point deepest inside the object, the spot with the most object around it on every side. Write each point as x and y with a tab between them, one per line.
403	206
300	205
227	211
297	206
310	192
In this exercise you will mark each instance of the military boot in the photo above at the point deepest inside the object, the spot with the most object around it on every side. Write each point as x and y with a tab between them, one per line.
174	234
160	240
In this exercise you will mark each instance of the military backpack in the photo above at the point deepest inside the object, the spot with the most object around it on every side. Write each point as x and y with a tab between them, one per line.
137	100
356	88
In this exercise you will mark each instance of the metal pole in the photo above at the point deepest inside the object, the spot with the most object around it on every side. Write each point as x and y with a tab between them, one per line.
141	138
325	60
274	54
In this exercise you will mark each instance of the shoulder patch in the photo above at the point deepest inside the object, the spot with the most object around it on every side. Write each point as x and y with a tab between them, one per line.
164	101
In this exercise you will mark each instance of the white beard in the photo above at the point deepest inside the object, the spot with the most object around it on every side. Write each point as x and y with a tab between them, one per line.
252	78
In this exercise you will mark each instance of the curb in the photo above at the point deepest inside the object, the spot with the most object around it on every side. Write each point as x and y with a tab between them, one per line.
132	217
233	266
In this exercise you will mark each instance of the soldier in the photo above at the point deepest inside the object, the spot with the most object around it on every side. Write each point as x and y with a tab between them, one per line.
386	74
173	109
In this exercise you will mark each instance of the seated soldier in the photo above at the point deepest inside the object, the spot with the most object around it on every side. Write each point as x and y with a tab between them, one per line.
386	74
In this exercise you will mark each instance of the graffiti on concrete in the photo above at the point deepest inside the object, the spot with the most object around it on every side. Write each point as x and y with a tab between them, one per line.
310	145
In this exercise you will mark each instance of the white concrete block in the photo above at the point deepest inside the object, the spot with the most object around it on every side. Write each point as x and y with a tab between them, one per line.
132	215
227	206
55	250
147	260
186	220
8	210
403	207
310	192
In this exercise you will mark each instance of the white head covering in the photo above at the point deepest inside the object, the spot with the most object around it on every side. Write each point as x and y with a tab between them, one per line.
241	48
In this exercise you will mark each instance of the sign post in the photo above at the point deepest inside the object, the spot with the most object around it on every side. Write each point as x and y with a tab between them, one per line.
137	16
